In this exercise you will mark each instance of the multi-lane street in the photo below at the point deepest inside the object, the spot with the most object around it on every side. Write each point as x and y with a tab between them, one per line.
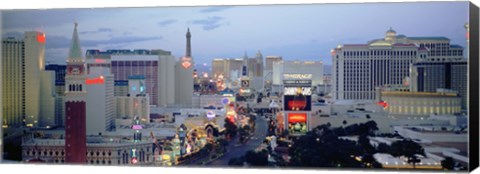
237	150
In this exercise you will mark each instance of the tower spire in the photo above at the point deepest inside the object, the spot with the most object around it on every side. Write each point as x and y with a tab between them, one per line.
189	47
75	50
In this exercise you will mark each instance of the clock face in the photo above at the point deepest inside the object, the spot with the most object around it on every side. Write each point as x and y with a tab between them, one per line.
74	70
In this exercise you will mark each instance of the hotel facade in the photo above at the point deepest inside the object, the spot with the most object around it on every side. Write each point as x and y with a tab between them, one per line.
359	68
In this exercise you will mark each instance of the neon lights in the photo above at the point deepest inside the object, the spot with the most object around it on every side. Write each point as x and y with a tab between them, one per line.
134	160
41	37
95	81
100	61
297	104
186	64
383	103
225	101
297	117
137	127
210	114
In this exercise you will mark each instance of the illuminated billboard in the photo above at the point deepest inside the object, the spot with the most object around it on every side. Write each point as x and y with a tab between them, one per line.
297	123
297	98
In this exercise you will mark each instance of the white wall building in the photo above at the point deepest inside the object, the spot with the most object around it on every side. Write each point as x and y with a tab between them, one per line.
166	80
183	83
47	99
430	75
100	101
157	66
297	67
201	101
359	68
423	104
136	103
34	65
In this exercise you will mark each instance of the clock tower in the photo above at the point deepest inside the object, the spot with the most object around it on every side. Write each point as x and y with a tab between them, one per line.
75	104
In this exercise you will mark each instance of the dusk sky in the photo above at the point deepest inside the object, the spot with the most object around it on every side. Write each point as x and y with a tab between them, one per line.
304	32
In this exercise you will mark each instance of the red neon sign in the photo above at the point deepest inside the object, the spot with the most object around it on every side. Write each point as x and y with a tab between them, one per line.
383	103
93	81
40	37
297	117
134	160
100	61
186	64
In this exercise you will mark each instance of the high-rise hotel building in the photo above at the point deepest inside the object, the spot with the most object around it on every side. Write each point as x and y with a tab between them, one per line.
22	63
428	76
157	66
184	76
359	68
231	68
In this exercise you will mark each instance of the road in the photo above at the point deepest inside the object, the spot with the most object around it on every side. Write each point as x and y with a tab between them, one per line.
235	150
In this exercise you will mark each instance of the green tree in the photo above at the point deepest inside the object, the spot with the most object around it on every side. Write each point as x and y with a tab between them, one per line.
409	149
223	144
256	158
448	163
236	161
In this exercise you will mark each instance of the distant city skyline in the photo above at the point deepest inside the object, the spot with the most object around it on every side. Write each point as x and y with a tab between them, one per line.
303	32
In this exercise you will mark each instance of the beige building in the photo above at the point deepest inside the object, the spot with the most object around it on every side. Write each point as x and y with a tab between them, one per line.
133	106
22	64
226	67
47	99
100	101
399	103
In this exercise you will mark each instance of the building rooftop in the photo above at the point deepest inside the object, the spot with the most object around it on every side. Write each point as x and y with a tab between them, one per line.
128	52
121	82
430	38
455	46
136	77
417	94
134	57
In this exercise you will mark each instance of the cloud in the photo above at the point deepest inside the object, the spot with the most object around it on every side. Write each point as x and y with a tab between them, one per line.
57	42
215	9
14	34
166	22
100	30
17	19
210	23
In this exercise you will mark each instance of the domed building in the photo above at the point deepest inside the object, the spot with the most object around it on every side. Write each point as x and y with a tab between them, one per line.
359	68
390	35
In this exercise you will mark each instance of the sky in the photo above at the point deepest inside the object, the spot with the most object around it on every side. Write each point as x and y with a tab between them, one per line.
295	32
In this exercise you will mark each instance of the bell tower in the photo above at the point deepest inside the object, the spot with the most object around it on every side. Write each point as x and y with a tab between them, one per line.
75	104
